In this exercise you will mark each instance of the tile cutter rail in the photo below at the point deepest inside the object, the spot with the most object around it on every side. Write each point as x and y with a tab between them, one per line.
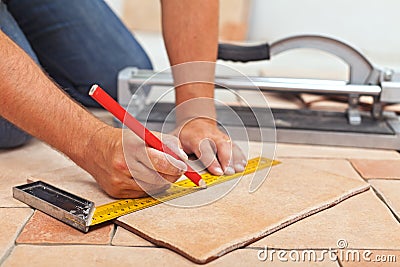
373	129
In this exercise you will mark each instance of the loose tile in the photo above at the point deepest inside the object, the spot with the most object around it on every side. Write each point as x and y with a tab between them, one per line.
11	222
328	105
370	169
125	238
371	258
310	151
17	164
99	256
349	220
239	218
278	100
389	190
75	180
43	229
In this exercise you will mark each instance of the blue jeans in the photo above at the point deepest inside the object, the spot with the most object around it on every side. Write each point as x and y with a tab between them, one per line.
77	42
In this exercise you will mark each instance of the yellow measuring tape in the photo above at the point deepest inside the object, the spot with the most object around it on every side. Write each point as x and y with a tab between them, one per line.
125	206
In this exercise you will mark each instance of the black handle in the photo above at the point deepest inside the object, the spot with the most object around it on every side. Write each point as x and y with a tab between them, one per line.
243	53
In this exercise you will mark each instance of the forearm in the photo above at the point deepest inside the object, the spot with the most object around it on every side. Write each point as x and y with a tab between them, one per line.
30	100
190	30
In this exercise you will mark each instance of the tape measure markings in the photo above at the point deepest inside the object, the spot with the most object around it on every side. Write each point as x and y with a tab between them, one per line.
118	208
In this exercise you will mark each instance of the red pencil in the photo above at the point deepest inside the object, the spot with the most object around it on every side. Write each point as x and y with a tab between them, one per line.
150	139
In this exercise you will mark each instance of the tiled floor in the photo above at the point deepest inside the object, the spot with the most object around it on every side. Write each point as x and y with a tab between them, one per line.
368	221
365	221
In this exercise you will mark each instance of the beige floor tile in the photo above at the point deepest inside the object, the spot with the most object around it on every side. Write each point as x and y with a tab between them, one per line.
11	222
77	181
125	238
372	258
363	221
17	164
285	101
291	192
309	151
389	190
340	167
43	229
328	105
370	169
99	256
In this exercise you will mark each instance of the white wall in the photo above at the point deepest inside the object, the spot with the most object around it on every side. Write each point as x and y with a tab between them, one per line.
370	25
116	5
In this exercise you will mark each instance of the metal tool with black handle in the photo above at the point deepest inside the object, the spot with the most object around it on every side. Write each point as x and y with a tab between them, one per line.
376	129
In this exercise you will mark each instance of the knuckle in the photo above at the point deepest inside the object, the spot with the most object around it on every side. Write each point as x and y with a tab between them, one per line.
119	164
116	183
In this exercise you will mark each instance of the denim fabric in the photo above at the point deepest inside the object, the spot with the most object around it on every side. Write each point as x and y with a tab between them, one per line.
10	135
77	42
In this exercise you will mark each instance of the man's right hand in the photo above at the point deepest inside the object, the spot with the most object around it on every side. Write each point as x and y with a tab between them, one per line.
128	168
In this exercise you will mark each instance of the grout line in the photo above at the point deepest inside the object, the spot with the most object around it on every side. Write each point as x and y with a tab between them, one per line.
18	232
339	263
382	198
113	232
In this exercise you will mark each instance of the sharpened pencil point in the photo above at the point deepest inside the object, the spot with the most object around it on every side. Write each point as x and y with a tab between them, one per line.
202	184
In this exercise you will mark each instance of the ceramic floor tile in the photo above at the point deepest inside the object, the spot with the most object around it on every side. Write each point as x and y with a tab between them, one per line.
389	191
125	238
370	169
340	167
100	256
363	221
276	100
77	181
310	151
43	229
17	164
290	193
328	105
372	258
11	222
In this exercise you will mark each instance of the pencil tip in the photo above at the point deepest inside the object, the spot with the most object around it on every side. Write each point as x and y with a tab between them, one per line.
94	87
202	184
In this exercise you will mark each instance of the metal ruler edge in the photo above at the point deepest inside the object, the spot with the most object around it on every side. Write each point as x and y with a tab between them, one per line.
122	207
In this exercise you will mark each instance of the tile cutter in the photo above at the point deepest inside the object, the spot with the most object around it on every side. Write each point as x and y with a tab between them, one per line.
375	128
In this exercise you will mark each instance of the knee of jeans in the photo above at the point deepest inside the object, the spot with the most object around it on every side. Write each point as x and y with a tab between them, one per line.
11	136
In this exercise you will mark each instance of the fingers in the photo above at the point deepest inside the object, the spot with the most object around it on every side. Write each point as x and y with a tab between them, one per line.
162	162
231	157
239	159
206	154
224	152
143	174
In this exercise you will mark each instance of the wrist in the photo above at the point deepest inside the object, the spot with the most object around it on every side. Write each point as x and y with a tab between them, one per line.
196	108
101	140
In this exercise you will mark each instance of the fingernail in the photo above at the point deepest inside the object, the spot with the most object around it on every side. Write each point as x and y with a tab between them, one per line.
244	162
239	167
219	171
229	171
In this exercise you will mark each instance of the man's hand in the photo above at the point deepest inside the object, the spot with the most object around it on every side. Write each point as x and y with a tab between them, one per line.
214	148
190	30
128	168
